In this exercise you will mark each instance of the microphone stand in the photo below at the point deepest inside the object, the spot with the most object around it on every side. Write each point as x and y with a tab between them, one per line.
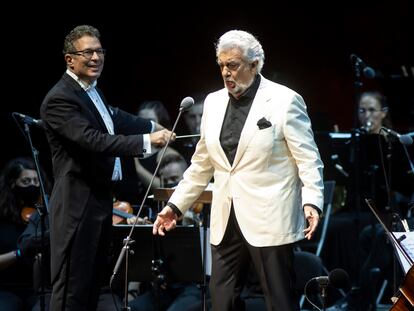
356	133
42	209
356	139
323	287
394	213
128	240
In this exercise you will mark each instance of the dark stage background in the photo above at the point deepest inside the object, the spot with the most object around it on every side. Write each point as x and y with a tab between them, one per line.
166	51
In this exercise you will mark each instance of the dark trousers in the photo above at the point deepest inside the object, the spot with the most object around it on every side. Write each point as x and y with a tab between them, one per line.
83	271
230	263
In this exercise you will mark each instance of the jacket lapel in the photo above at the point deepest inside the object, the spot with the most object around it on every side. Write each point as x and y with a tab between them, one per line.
85	99
218	118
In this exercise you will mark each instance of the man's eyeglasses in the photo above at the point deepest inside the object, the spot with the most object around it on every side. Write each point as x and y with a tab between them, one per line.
370	110
88	53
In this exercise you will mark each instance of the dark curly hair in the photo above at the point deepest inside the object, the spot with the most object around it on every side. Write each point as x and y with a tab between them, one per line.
77	33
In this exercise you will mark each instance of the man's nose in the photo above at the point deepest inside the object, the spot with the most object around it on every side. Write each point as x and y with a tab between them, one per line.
226	72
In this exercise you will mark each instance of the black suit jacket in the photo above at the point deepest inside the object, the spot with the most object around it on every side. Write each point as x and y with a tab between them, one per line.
83	155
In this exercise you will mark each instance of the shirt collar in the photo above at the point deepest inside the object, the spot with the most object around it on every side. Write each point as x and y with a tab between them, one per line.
83	85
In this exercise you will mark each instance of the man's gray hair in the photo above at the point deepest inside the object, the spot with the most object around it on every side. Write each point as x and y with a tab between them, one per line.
77	33
249	46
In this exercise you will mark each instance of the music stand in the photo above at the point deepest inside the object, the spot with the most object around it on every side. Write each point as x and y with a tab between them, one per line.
163	194
179	251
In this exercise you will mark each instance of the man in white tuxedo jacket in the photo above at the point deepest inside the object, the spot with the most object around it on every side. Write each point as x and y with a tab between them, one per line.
257	142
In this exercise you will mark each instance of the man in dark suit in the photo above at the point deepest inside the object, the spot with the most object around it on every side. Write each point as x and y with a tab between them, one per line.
86	137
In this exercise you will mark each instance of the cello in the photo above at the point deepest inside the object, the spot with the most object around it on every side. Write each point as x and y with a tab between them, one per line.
404	300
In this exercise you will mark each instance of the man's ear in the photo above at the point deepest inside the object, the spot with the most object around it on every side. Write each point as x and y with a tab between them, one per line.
253	65
69	60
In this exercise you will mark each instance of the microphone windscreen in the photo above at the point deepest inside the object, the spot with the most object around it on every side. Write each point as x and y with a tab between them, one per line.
368	72
186	103
339	278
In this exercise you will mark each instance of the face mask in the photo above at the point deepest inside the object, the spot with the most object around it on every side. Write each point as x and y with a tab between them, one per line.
29	195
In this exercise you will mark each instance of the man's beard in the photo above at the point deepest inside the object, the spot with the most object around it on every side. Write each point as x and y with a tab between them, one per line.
240	88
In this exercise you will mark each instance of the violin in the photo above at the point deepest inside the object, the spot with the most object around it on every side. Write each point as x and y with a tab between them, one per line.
197	207
26	213
121	211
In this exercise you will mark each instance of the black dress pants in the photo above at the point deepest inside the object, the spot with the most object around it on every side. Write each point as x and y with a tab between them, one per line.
230	263
84	270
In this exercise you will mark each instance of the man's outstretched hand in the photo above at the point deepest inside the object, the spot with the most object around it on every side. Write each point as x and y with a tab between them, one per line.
166	220
312	216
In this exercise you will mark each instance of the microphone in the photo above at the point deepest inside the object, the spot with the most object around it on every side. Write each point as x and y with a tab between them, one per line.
186	103
29	120
404	139
337	278
366	126
359	64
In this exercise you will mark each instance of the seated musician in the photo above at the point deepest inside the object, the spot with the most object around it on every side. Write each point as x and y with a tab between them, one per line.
19	192
379	155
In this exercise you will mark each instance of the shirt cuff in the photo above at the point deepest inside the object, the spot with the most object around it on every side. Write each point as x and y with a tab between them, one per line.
315	207
146	148
175	209
152	126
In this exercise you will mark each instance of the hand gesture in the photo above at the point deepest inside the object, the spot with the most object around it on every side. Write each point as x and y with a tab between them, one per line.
160	138
166	219
312	217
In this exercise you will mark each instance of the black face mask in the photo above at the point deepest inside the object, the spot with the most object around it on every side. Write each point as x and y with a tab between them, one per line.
29	195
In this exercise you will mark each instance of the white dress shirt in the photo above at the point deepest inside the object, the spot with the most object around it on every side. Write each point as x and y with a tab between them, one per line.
106	117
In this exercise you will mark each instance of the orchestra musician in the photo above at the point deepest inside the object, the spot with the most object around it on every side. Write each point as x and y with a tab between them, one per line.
19	193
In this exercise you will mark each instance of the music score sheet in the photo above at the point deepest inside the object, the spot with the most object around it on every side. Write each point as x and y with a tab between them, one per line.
408	244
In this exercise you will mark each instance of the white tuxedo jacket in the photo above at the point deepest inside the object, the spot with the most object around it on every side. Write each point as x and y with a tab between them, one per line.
275	171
